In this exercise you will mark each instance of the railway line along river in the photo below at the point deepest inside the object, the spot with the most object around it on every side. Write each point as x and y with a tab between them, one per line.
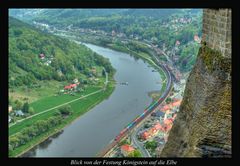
91	132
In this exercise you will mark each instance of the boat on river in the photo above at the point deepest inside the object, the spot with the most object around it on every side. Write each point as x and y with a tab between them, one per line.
124	83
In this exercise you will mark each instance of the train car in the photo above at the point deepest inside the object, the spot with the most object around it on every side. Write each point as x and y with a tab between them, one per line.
123	131
136	119
120	134
117	138
142	114
129	126
150	108
132	124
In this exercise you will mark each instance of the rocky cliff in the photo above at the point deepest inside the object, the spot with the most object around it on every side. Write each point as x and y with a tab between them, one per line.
203	125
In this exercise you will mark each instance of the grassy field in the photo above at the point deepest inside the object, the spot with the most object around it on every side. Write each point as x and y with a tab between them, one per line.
52	101
48	88
79	107
48	103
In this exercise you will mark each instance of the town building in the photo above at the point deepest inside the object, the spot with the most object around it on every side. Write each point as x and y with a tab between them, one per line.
75	81
126	149
151	132
158	114
168	107
113	33
41	56
177	43
197	39
19	113
70	87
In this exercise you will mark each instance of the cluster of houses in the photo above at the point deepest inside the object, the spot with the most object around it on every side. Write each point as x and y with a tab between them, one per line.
88	30
182	20
196	38
166	115
176	23
38	24
164	119
163	126
118	34
160	130
72	86
167	108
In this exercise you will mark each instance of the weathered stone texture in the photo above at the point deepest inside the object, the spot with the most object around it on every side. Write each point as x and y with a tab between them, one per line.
203	125
217	29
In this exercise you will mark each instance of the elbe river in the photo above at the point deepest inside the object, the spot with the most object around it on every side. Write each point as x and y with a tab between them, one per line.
91	132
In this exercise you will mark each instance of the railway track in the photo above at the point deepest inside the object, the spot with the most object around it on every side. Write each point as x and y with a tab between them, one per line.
127	130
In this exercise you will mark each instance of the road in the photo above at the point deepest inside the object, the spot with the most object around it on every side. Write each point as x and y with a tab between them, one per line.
138	144
50	109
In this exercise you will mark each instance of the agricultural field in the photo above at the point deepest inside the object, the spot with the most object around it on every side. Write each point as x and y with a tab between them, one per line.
78	107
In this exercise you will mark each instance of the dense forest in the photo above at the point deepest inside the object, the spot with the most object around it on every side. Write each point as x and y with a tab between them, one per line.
35	55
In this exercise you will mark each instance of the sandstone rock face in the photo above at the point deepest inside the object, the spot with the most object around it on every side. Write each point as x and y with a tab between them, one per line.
203	125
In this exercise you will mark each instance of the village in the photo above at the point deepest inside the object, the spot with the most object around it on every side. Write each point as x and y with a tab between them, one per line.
152	135
176	24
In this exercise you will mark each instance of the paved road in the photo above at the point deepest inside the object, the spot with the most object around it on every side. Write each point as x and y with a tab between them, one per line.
143	150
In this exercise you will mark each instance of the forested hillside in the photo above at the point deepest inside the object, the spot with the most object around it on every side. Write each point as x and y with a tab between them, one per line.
165	28
36	56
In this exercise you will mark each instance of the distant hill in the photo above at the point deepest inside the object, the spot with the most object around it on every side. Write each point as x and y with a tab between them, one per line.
35	55
76	16
162	27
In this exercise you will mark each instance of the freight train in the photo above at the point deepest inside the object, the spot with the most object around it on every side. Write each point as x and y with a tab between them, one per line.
149	109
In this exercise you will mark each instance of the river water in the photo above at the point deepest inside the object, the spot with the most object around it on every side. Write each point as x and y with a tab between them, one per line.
91	132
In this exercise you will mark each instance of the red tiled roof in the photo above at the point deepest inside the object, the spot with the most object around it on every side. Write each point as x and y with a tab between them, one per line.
176	103
165	108
70	86
67	87
145	135
169	106
167	127
158	126
168	121
152	131
73	85
127	148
